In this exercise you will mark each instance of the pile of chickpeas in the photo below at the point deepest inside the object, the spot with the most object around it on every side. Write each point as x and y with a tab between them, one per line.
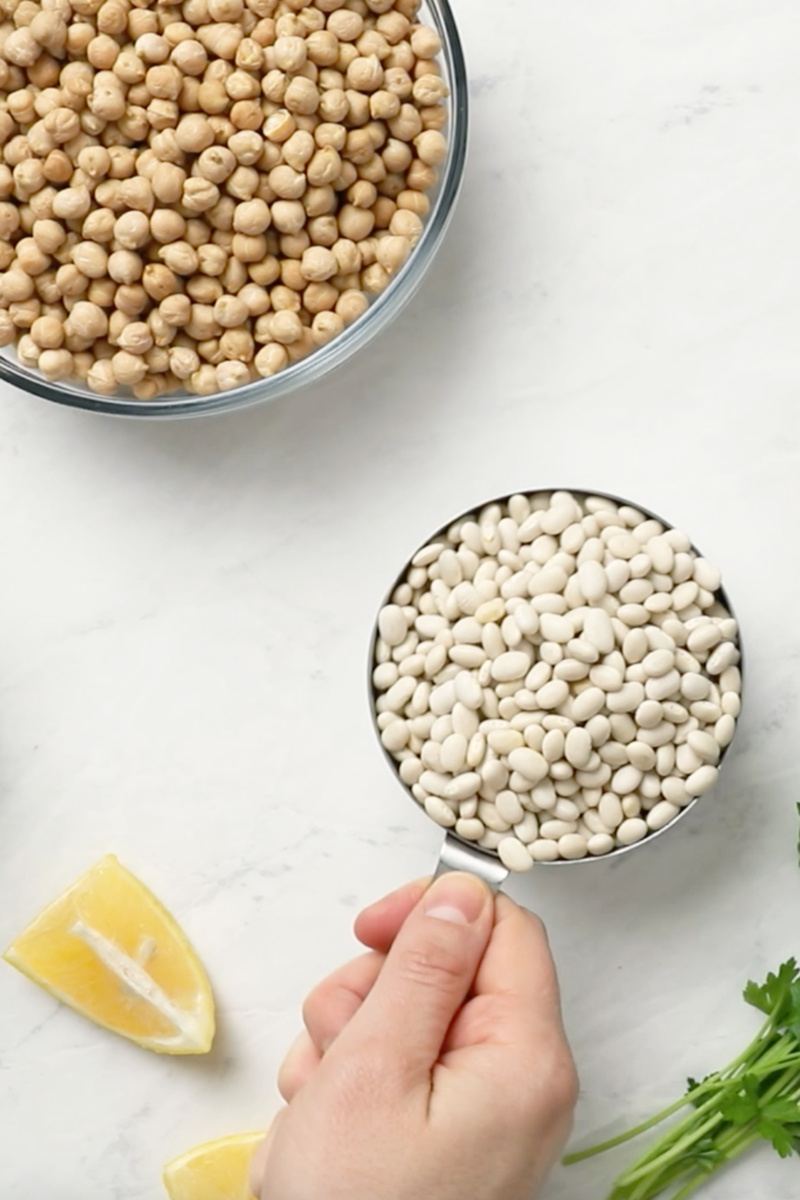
197	194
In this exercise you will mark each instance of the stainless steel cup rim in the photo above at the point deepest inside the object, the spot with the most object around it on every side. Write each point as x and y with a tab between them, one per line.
453	841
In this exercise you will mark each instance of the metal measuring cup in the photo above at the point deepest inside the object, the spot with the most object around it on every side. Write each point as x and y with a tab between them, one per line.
456	853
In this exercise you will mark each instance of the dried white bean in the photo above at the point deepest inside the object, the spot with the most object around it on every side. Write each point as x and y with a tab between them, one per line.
704	745
628	699
441	813
553	694
509	807
597	630
701	780
631	831
514	854
555	829
528	763
573	846
470	828
626	780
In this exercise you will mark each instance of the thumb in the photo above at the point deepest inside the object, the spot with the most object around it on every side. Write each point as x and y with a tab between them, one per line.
427	976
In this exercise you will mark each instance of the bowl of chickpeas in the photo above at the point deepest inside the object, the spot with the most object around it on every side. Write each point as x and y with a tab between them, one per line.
208	205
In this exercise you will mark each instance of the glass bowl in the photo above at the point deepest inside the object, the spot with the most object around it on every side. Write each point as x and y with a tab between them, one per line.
468	855
381	312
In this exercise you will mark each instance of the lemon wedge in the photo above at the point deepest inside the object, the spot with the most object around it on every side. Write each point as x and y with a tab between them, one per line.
214	1171
110	950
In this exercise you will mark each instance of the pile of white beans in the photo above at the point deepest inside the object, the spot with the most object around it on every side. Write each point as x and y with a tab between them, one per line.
556	677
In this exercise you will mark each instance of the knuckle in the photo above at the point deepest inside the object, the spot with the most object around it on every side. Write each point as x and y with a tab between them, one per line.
548	1087
288	1084
431	965
564	1081
312	1005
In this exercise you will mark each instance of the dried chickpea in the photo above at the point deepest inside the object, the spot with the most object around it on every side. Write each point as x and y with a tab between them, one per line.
355	223
70	282
47	332
293	282
102	292
290	53
101	377
320	297
425	42
56	364
299	149
287	183
175	309
285	327
136	337
7	328
183	361
319	264
132	230
304	346
128	368
231	375
293	246
265	271
317	201
203	381
189	56
252	217
334	105
271	359
351	305
91	259
166	225
413	201
280	126
167	182
325	166
255	298
431	147
237	345
429	90
193	133
247	147
124	266
302	96
365	74
24	312
322	48
421	177
48	235
30	257
383	210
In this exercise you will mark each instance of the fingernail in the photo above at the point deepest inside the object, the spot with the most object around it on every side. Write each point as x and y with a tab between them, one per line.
456	897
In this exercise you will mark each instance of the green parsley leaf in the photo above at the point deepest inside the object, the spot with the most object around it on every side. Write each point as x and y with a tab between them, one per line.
780	1138
705	1155
785	1111
771	996
742	1106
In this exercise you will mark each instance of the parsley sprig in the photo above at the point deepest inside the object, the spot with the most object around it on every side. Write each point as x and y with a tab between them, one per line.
755	1098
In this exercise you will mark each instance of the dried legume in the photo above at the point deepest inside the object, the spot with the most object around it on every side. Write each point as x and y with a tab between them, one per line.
561	713
239	176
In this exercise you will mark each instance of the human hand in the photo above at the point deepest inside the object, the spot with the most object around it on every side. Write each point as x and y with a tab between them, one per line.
432	1068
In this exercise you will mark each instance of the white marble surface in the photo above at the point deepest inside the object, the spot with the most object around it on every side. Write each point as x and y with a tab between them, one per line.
185	608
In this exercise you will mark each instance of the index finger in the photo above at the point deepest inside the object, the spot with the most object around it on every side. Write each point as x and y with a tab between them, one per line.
518	962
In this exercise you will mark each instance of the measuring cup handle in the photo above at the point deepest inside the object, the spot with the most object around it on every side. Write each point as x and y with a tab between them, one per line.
456	855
